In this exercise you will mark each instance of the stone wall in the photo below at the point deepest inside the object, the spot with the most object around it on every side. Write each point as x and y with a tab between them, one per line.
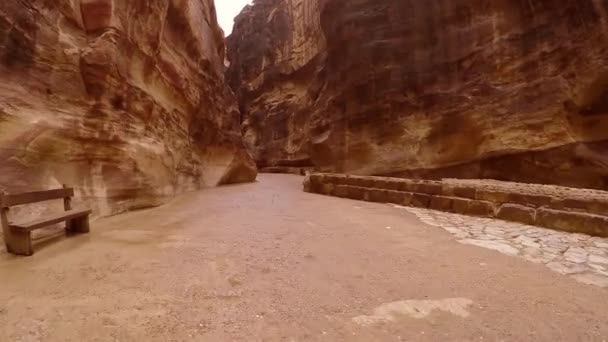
560	208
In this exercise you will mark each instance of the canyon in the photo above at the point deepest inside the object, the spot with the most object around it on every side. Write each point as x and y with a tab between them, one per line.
123	100
132	103
507	90
459	151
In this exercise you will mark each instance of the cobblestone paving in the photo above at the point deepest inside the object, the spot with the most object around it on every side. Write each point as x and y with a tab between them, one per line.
583	257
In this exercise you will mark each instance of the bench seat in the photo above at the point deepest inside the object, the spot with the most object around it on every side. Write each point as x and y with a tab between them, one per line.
52	219
18	236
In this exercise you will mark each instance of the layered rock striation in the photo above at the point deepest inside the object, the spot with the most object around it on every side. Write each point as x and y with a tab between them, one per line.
124	100
509	90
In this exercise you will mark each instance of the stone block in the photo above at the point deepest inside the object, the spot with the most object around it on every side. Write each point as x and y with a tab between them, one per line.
589	206
385	183
316	178
378	195
423	188
441	203
356	193
497	197
458	191
395	197
597	225
574	203
447	190
381	183
460	205
561	220
340	191
335	179
353	181
364	182
598	208
314	184
392	184
472	207
530	200
430	188
574	222
480	208
407	199
420	200
407	186
326	188
516	213
557	204
465	192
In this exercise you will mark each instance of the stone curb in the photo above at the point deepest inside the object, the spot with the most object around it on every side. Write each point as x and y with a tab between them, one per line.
571	215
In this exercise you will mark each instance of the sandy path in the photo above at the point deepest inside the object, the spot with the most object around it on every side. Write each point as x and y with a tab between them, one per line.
266	261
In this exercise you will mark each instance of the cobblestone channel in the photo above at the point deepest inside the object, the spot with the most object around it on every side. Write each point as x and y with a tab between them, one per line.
582	257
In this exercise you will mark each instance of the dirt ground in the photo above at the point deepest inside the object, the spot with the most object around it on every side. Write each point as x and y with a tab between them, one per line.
268	262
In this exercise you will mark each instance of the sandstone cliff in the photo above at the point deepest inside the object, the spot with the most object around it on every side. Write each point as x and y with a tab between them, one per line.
511	90
125	100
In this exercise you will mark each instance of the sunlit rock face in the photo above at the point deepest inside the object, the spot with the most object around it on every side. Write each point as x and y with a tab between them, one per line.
511	90
124	100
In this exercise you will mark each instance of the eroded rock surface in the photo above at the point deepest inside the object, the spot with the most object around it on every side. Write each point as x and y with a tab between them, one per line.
510	90
125	100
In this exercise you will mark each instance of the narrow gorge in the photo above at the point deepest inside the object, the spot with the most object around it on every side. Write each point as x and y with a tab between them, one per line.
506	90
303	170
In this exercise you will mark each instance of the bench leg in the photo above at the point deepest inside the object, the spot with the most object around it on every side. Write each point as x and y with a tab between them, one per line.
79	225
19	242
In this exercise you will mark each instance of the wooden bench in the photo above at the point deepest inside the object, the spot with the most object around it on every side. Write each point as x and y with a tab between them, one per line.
17	236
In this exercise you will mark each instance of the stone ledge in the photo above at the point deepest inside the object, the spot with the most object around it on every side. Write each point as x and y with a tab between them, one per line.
574	204
497	197
573	222
516	213
459	191
566	214
442	203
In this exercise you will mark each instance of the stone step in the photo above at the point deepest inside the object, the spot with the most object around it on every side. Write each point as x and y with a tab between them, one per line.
572	215
591	206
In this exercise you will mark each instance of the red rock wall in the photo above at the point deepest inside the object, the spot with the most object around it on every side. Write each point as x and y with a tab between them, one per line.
512	90
125	100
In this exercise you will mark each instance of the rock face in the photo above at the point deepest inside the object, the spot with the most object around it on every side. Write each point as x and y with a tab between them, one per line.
510	90
124	100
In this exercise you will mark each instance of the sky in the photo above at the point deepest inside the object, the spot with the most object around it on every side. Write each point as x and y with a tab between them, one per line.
227	10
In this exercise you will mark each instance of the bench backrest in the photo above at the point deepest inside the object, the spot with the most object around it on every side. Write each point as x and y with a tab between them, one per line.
7	200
